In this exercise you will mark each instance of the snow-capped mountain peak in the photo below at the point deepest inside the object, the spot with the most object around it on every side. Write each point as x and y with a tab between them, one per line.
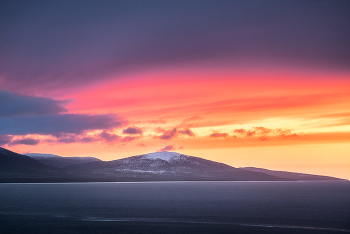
164	155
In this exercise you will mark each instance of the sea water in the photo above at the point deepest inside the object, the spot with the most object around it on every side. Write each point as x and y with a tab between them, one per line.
176	207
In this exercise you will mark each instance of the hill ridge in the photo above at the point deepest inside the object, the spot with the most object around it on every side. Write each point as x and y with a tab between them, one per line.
156	166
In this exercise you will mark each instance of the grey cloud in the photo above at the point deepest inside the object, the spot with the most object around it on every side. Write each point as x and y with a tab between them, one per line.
13	104
104	136
109	137
73	138
113	138
57	124
5	139
21	115
68	139
25	141
87	140
132	130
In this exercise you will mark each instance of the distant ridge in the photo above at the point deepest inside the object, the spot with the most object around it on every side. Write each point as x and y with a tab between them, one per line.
290	175
158	166
59	161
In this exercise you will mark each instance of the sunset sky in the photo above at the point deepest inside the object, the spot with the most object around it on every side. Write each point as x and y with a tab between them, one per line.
247	83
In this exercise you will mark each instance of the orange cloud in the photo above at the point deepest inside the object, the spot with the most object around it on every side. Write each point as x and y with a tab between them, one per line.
173	133
169	147
218	135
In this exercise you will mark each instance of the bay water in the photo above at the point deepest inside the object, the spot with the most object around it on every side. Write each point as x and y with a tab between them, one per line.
176	207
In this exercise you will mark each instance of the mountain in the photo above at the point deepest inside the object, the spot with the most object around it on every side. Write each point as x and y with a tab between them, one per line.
289	175
163	166
17	167
60	162
158	166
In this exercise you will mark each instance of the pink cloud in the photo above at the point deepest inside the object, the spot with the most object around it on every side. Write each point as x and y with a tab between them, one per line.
169	147
132	130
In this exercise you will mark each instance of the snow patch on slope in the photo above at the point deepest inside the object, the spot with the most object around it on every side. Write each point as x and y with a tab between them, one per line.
164	155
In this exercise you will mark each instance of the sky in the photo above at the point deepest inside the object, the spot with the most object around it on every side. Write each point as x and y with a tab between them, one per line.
247	83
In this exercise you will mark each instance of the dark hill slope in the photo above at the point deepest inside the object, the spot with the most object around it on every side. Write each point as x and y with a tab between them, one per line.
290	175
16	167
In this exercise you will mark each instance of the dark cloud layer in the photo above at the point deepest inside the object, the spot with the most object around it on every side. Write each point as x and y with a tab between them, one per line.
12	104
60	43
57	124
22	115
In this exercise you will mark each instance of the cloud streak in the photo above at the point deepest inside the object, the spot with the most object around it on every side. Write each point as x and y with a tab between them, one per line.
187	132
218	135
173	133
168	134
25	141
13	104
132	130
103	137
169	148
50	55
58	124
261	133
